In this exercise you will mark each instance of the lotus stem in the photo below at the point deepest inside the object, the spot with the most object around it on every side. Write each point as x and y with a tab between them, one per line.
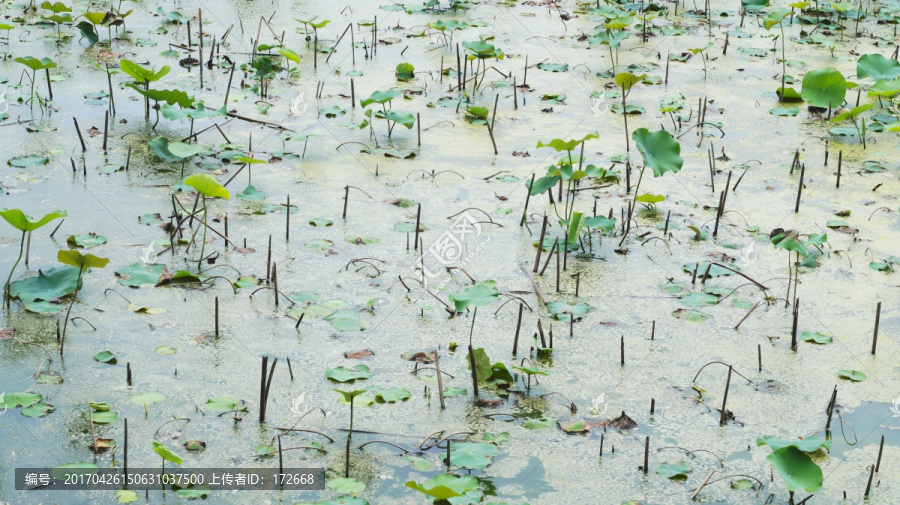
8	279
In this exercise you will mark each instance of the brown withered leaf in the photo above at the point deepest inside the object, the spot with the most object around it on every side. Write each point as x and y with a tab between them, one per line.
101	444
365	353
484	402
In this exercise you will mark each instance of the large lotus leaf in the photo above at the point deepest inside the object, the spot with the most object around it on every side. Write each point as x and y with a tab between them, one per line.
824	88
36	64
776	16
674	471
15	400
797	469
224	404
563	145
166	453
381	97
48	285
444	486
482	364
290	54
806	444
75	470
345	320
160	147
661	152
562	310
348	375
207	186
95	18
358	397
137	275
81	261
472	455
575	225
885	88
199	112
141	74
606	225
391	395
55	7
28	161
407	120
478	295
626	80
481	49
790	241
877	67
169	96
542	184
148	398
21	222
183	150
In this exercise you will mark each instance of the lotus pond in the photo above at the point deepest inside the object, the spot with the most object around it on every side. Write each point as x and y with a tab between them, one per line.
454	252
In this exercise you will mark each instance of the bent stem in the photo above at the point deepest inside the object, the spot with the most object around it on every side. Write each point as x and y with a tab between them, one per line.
7	290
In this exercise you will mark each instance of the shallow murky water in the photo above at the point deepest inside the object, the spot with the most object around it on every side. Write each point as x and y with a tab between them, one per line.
454	170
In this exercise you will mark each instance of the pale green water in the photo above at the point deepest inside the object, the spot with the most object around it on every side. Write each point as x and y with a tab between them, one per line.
543	466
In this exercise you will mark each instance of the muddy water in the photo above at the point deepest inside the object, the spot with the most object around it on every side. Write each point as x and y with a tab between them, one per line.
541	466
